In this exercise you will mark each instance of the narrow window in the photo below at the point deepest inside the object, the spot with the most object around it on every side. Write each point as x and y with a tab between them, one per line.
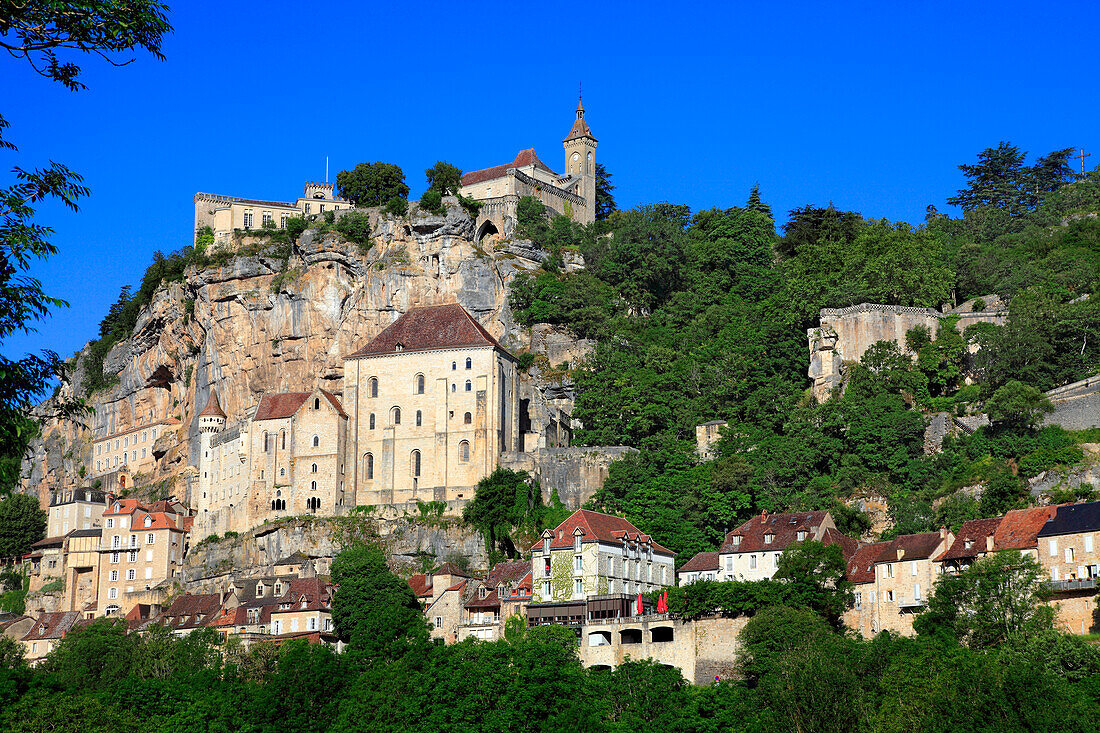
419	418
396	416
467	418
469	363
420	384
316	441
416	463
316	403
313	468
464	451
368	468
283	435
372	421
469	385
454	365
312	485
373	386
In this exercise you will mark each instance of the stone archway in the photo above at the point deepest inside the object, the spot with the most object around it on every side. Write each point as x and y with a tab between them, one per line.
487	228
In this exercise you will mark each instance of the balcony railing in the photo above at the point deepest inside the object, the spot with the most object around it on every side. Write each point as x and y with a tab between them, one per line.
1060	585
912	603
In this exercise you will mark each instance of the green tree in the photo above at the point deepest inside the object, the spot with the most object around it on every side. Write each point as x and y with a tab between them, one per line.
22	524
1017	406
355	226
605	199
372	184
374	611
816	578
997	597
444	178
998	180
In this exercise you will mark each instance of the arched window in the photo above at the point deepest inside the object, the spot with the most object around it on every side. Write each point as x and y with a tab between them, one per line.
469	385
395	416
418	419
282	472
282	434
316	403
316	441
267	447
313	468
453	387
372	421
313	503
415	460
469	363
368	466
467	418
374	386
464	451
312	485
420	384
454	365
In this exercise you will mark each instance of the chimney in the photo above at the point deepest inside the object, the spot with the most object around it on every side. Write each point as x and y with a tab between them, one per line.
901	552
943	533
989	543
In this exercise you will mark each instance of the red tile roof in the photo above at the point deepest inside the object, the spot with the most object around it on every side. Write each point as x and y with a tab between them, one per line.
52	625
580	127
916	547
449	568
1019	529
191	610
285	404
213	407
702	561
428	328
421	585
598	527
314	591
848	545
861	567
523	159
974	532
784	529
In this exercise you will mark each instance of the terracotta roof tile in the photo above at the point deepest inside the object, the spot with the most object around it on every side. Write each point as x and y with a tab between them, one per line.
971	539
52	625
848	545
449	568
428	328
523	159
861	568
1019	529
421	585
784	529
315	592
702	561
213	407
598	527
916	547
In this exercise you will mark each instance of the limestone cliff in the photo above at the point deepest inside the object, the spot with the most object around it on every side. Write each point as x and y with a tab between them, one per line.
272	322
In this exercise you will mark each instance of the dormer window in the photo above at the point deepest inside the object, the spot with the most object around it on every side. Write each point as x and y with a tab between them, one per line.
546	545
968	543
399	347
737	540
500	591
801	535
576	543
768	539
482	592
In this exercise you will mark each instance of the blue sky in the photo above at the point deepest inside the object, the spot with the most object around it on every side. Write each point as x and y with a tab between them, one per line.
868	105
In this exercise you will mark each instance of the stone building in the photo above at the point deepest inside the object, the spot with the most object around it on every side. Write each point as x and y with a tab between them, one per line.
593	554
141	546
1069	550
704	566
433	403
75	509
224	214
860	572
572	193
904	574
47	632
305	605
82	571
287	459
504	592
751	552
707	436
118	457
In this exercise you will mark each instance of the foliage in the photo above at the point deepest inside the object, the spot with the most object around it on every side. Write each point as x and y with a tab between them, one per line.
507	509
1017	406
374	611
605	199
355	227
1001	180
397	206
372	184
22	523
432	202
995	598
443	178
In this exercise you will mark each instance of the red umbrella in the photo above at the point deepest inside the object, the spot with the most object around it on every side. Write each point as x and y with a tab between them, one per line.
641	610
662	602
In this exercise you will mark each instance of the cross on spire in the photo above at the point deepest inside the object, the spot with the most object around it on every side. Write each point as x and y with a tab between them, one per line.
1081	157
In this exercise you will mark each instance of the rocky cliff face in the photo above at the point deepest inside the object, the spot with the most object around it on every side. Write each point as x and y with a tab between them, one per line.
264	323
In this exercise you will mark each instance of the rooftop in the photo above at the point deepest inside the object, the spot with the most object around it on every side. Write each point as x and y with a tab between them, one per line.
1073	518
597	527
524	158
783	529
702	561
428	328
285	404
971	539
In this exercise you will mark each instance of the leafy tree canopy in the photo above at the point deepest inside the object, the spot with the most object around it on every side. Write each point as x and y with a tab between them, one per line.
372	184
22	523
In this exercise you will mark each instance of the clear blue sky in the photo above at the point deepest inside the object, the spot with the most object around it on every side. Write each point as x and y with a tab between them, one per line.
868	105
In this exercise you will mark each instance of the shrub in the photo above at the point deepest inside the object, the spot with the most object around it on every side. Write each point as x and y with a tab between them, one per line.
979	305
355	227
295	225
397	206
432	202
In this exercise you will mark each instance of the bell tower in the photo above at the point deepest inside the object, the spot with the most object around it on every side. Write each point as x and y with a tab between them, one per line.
580	161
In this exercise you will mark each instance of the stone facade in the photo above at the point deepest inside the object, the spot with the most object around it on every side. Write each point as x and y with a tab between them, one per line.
707	436
1069	550
75	509
224	214
141	546
129	452
893	581
846	333
286	460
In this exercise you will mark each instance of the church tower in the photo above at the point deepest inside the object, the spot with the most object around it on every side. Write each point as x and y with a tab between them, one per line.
580	161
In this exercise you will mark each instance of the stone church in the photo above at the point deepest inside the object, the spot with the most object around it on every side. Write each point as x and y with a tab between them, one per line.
429	406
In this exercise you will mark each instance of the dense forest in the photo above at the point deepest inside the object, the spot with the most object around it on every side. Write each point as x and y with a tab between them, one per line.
703	315
797	672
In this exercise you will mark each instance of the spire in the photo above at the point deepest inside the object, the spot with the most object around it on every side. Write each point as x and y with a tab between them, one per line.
580	127
213	407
